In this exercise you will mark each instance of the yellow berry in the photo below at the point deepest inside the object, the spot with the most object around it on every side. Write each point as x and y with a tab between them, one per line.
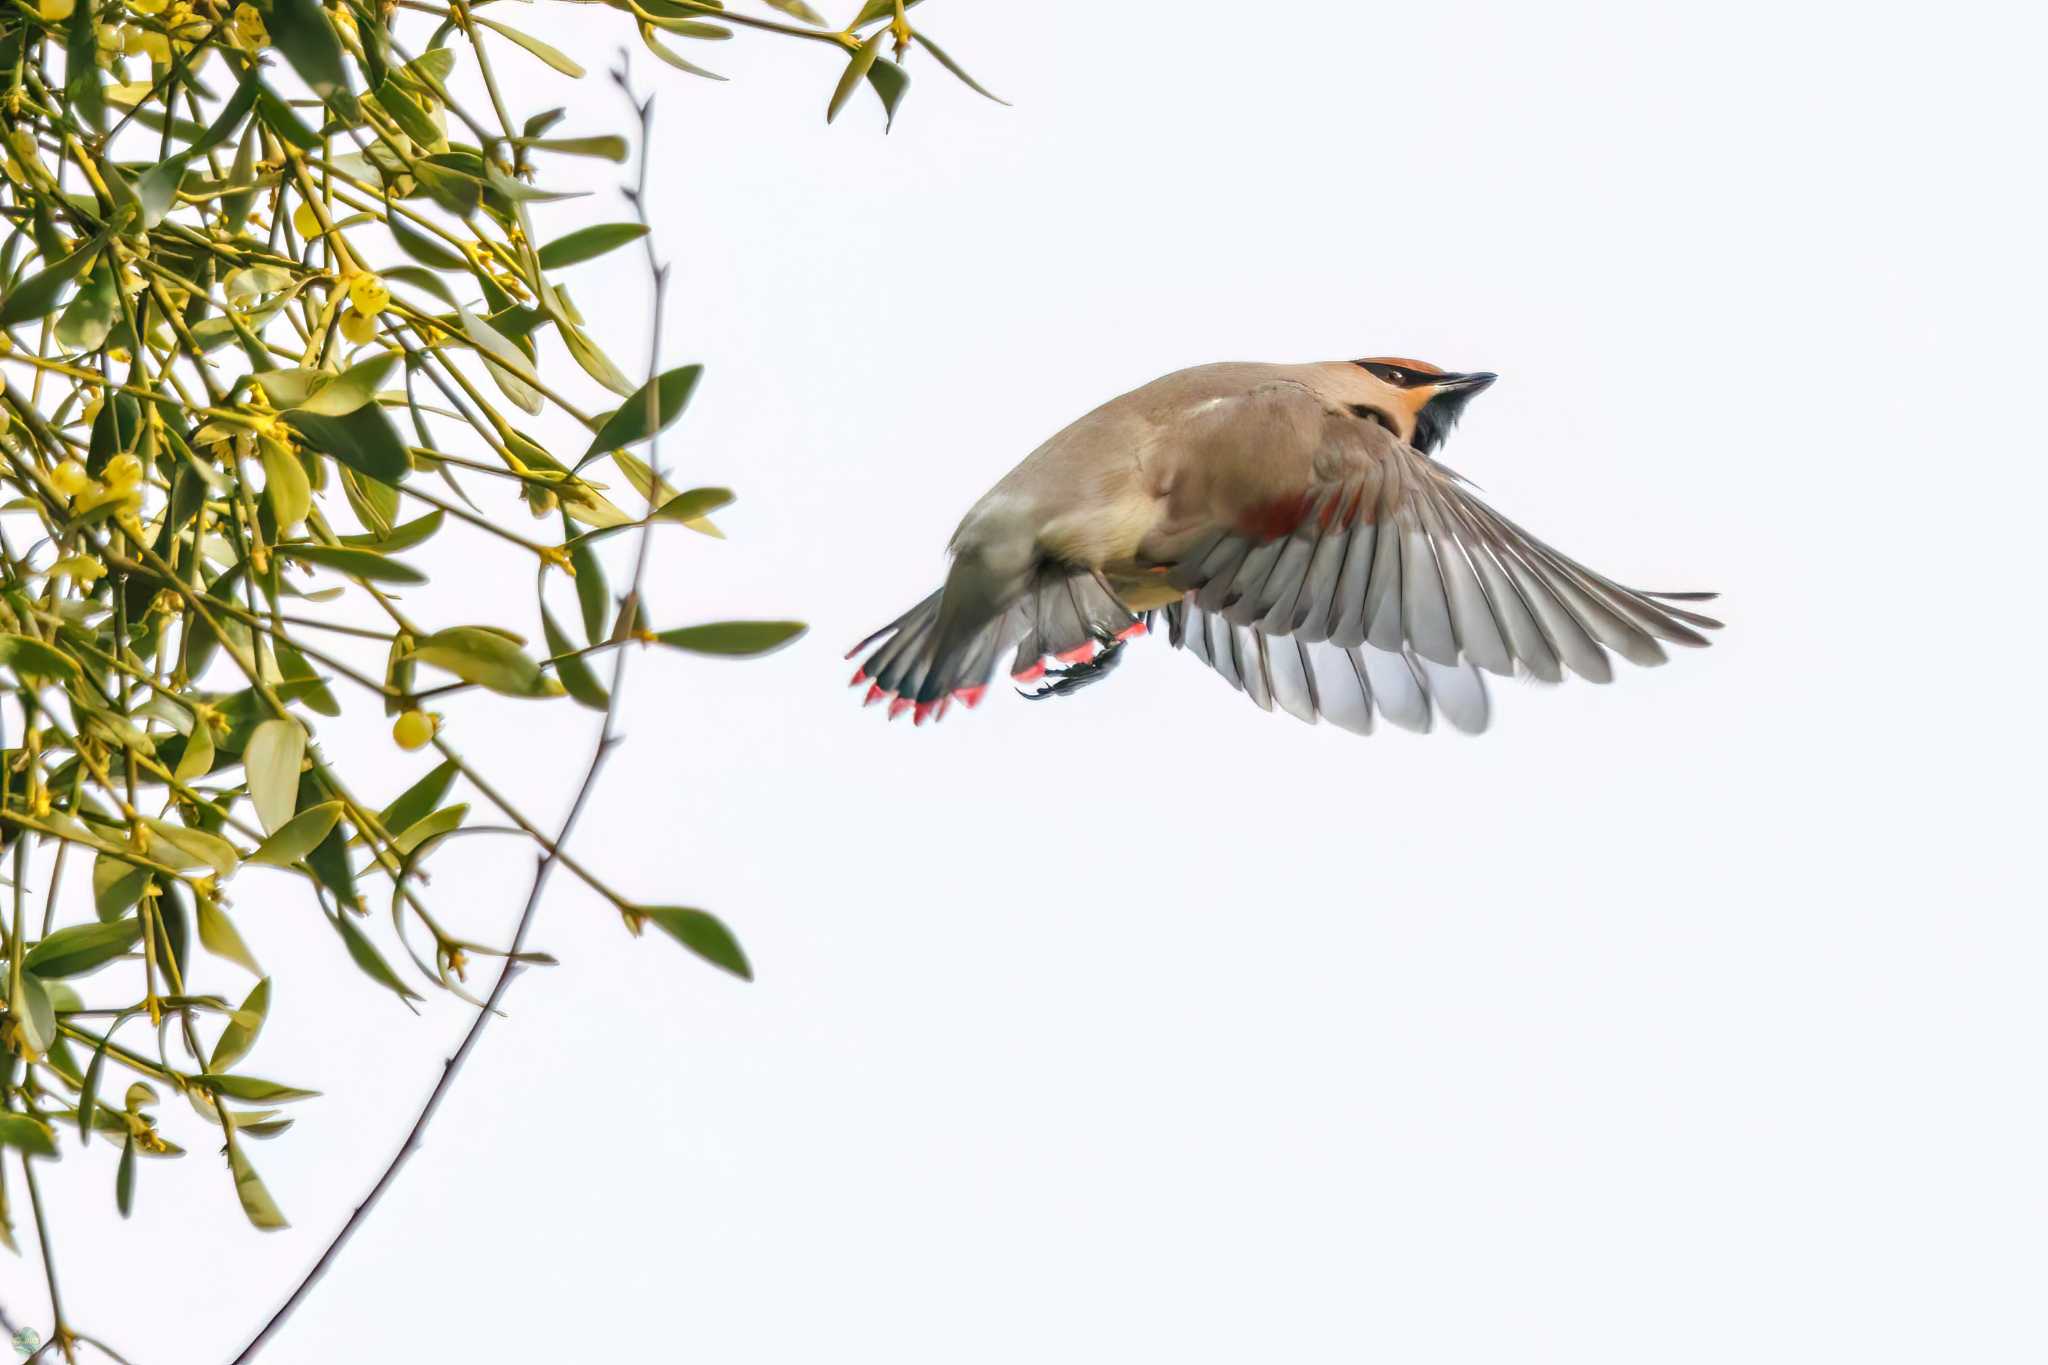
53	10
70	478
123	472
414	729
368	294
305	220
358	327
148	6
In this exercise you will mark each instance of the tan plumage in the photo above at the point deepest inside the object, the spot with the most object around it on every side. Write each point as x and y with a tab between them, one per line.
1300	538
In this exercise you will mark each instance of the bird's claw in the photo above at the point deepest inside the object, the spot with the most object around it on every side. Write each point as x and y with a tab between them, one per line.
1060	682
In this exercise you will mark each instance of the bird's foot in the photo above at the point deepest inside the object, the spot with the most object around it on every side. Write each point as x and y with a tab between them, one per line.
1061	682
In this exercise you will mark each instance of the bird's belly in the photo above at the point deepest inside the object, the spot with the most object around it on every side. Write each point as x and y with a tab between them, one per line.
1144	589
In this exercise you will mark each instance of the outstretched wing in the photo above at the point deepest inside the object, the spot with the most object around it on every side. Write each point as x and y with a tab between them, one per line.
1393	584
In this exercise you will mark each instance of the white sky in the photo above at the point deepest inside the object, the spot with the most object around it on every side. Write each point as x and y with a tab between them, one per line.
1695	1018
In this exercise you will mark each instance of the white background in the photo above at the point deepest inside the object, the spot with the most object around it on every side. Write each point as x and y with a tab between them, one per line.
1694	1018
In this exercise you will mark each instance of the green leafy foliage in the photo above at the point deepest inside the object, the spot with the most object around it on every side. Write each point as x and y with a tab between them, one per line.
271	301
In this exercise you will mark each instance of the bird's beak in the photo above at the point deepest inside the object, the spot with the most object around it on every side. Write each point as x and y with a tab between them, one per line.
1466	384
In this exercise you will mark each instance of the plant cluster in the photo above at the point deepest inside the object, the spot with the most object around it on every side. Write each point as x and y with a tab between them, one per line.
273	315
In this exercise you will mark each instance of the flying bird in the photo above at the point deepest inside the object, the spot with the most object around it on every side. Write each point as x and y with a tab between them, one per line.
1293	526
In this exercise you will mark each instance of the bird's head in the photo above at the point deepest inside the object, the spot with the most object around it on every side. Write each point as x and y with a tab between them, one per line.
1419	401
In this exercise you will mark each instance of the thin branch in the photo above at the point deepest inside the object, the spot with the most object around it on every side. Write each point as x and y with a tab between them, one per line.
608	738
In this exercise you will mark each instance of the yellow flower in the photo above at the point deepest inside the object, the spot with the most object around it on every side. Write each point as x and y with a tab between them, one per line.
80	569
156	46
305	220
414	729
358	327
368	294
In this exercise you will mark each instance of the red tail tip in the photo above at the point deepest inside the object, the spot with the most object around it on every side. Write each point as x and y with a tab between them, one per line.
1132	631
898	707
875	694
971	696
1031	674
860	675
1079	654
922	711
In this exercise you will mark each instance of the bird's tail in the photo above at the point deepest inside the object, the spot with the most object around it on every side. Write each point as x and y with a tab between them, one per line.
945	648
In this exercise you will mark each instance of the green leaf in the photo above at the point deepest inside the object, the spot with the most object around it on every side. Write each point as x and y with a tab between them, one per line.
431	827
280	118
588	243
36	296
32	658
89	1093
420	279
592	596
486	658
401	537
960	74
124	1178
367	565
285	485
406	112
79	948
607	147
890	82
184	847
272	758
298	836
631	423
733	637
594	361
220	937
571	668
694	505
507	363
365	955
90	315
82	89
449	184
157	190
303	32
197	760
856	71
116	885
34	1012
703	934
350	389
261	1209
250	1088
26	1134
422	796
364	440
535	46
243	1026
423	248
647	37
230	117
